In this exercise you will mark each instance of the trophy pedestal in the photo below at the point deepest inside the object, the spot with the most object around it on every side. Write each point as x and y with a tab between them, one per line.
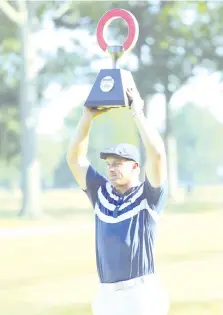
109	89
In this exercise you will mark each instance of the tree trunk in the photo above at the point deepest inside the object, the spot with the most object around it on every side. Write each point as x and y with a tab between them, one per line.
171	151
30	181
167	132
141	146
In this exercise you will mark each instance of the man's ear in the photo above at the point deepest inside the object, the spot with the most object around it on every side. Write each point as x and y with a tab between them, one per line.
135	165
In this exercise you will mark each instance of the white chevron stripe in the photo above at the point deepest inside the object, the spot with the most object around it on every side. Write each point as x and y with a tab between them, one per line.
112	207
133	199
105	202
127	215
109	190
131	194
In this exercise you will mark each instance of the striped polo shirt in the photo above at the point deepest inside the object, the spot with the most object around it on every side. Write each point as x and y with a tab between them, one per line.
125	227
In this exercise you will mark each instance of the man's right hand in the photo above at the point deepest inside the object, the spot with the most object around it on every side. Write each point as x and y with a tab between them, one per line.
94	112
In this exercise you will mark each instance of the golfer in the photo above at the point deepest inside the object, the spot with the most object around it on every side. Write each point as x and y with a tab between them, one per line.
126	215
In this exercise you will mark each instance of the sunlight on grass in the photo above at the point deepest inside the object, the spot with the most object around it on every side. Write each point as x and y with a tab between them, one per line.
55	273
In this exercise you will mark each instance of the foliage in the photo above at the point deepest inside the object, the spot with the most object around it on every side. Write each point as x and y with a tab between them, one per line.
199	139
175	42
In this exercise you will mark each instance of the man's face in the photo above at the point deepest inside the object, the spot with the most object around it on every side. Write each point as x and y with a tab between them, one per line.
120	171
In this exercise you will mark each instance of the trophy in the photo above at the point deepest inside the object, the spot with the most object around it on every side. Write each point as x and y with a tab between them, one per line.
109	89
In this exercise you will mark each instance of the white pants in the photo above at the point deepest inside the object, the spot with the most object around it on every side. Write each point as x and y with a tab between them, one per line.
140	296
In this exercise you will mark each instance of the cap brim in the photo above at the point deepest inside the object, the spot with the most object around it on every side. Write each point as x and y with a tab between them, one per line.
104	155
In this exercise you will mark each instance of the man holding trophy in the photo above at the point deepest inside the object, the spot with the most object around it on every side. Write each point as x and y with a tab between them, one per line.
126	210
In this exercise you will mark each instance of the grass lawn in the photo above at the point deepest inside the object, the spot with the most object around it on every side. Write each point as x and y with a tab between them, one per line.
54	273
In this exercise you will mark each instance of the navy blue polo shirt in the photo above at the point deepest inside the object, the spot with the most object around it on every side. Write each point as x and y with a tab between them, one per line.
125	227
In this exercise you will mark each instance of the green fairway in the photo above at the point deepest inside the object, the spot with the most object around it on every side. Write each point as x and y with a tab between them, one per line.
48	266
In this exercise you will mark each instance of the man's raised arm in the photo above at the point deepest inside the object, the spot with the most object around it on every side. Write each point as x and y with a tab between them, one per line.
77	151
156	168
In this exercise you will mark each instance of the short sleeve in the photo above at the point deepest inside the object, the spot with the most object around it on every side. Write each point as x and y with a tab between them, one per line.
156	196
93	181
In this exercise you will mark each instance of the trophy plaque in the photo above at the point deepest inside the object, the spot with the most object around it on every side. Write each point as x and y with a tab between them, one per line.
109	89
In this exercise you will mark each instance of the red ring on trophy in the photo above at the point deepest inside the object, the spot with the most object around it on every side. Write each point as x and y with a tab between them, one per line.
107	18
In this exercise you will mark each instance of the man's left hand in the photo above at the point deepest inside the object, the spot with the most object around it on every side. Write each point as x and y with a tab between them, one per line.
137	103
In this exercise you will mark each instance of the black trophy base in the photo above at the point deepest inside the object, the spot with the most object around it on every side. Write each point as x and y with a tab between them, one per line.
109	89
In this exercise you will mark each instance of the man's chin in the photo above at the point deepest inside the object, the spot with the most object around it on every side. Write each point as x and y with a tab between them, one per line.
115	181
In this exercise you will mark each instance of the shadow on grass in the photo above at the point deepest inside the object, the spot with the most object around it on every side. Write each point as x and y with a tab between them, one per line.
56	214
69	212
190	207
6	214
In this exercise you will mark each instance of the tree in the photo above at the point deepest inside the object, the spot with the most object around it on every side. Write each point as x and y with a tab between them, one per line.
171	48
199	137
168	51
9	117
28	101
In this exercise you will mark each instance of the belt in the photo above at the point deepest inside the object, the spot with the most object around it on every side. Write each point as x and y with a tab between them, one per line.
127	284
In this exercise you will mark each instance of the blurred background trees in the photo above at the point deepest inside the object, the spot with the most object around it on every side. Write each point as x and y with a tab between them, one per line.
179	44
